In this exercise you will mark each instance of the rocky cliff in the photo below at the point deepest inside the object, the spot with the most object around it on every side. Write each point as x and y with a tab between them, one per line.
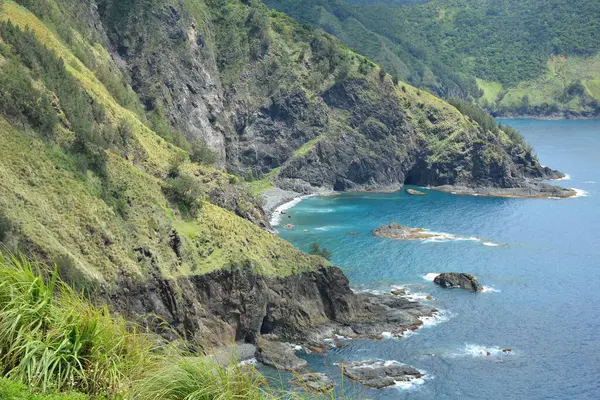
108	174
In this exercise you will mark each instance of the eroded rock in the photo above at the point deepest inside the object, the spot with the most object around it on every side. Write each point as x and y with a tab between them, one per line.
380	374
316	382
278	355
414	192
458	280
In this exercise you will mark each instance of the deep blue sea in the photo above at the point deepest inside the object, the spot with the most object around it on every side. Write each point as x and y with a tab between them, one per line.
543	279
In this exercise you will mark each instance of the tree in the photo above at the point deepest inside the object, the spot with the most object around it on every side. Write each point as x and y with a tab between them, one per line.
316	250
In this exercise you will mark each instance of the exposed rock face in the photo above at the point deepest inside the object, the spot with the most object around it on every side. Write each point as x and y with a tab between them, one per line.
278	355
379	374
316	382
414	192
458	280
219	308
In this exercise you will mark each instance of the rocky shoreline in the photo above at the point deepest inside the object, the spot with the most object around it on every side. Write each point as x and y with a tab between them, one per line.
536	190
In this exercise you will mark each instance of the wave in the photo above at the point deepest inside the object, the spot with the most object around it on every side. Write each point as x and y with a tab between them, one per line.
591	182
441	237
567	177
279	211
431	276
491	244
580	193
476	350
489	289
437	318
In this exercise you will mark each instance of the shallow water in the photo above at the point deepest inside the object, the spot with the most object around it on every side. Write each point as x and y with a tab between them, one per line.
538	258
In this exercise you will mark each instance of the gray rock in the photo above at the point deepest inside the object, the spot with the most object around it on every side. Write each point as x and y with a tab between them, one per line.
316	382
278	355
414	192
458	280
379	374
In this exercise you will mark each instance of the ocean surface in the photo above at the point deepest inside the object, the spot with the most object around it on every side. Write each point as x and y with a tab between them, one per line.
538	258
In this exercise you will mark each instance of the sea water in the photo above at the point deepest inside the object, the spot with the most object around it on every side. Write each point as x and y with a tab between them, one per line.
539	260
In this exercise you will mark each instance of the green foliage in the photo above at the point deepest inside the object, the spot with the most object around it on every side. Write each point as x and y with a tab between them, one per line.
11	390
53	339
316	250
20	100
202	379
185	191
5	226
202	154
477	114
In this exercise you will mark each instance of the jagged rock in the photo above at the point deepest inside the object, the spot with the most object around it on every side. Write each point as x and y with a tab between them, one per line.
379	374
278	355
317	382
415	192
399	292
458	280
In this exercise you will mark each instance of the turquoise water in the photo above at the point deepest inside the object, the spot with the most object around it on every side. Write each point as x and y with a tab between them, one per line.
543	276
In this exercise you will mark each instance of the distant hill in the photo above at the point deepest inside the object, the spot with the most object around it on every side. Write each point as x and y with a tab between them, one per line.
528	57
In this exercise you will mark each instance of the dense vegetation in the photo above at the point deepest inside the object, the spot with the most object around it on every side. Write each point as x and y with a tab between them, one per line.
508	42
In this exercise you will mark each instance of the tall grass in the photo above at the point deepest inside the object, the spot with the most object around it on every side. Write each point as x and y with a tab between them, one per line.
52	339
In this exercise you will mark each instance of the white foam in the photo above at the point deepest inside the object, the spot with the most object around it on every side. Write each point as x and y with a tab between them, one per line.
476	350
436	319
592	182
410	384
489	289
448	237
567	177
251	361
276	216
297	347
580	193
491	244
418	297
430	276
387	335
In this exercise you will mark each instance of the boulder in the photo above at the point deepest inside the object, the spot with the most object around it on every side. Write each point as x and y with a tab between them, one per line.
458	280
278	355
379	374
401	232
316	382
398	292
414	192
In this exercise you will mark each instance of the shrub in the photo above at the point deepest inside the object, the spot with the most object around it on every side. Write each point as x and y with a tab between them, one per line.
5	226
315	250
185	191
200	153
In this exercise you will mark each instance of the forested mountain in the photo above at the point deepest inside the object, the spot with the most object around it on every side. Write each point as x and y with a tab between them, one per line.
136	136
530	57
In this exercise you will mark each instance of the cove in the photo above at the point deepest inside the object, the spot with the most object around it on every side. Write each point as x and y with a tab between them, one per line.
538	258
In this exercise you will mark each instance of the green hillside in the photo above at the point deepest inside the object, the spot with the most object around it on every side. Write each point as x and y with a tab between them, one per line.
546	51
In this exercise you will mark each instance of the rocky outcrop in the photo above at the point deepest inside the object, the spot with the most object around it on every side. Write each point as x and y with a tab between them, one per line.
278	355
379	374
458	280
400	232
237	304
531	190
414	192
316	382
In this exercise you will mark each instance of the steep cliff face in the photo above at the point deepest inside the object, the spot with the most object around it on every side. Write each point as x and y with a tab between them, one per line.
284	101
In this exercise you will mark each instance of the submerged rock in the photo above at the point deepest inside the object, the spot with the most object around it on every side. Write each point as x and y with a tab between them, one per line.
458	280
414	192
278	355
380	374
316	382
401	232
532	190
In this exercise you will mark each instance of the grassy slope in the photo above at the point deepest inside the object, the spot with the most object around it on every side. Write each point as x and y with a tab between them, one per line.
61	215
550	86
